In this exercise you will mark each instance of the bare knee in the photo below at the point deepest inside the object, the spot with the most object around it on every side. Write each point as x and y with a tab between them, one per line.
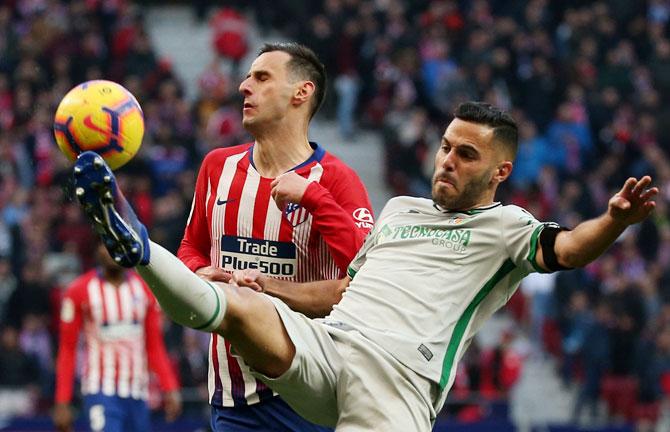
242	305
253	327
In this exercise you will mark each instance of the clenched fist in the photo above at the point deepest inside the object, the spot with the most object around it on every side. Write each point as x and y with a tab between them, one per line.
288	188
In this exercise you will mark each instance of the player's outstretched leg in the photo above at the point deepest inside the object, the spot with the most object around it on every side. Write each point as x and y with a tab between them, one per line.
253	323
115	221
187	299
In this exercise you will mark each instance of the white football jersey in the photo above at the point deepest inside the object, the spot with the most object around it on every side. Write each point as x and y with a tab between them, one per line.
426	279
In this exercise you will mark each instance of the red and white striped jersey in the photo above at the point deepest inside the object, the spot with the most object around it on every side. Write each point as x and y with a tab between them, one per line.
235	224
122	336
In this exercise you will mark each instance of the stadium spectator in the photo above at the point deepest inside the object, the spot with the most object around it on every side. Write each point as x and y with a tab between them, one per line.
594	356
8	284
19	376
230	30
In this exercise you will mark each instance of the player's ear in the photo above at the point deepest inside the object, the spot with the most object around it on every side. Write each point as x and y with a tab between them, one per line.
502	171
304	92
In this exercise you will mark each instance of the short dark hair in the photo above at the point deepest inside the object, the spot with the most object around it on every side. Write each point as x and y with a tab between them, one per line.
505	129
306	65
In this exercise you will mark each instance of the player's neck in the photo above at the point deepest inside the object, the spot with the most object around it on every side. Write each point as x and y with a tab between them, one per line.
276	153
114	277
484	202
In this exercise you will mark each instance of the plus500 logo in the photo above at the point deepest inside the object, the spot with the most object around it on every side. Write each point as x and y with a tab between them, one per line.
270	257
266	267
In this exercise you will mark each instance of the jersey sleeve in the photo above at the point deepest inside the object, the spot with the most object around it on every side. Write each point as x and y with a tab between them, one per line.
342	214
521	235
157	355
194	250
379	230
360	257
68	336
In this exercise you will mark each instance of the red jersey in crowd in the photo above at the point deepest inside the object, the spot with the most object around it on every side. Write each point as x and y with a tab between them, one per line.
235	224
122	335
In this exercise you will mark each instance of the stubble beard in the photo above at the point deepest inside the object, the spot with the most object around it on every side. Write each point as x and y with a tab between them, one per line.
468	197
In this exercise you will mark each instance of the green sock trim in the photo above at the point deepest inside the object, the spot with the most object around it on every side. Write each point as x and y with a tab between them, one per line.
216	312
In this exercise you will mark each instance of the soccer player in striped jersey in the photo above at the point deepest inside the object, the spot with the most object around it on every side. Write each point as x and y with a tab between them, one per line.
282	205
122	333
417	292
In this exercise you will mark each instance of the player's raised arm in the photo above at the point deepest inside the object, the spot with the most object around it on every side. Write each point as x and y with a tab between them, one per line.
588	240
343	216
341	212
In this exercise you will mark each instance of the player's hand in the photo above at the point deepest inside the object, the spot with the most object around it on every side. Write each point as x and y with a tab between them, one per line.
213	274
172	405
250	278
288	188
634	202
63	417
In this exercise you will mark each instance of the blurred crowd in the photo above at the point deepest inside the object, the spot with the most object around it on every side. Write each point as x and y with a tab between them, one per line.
587	81
46	48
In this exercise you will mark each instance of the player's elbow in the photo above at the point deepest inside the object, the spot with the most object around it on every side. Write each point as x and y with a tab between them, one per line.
336	297
325	303
324	306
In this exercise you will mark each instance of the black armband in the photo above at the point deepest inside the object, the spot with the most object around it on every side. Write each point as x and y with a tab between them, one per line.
548	241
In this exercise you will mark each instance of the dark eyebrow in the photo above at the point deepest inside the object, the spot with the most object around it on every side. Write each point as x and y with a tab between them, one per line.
260	73
468	146
462	147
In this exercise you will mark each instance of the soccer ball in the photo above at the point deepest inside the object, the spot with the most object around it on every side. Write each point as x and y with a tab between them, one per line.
101	116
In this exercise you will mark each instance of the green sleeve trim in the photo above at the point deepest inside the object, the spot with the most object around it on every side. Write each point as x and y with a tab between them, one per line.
216	311
351	272
464	320
532	254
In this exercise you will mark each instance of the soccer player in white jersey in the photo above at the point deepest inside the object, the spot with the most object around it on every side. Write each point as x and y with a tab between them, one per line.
281	204
120	320
428	276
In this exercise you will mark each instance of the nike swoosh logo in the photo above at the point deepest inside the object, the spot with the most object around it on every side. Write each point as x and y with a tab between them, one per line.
222	202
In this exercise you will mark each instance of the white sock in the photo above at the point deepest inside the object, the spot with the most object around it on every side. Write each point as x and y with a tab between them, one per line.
185	297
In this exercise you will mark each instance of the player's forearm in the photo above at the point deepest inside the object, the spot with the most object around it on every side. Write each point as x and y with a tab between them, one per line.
65	365
68	338
587	241
157	356
159	362
314	299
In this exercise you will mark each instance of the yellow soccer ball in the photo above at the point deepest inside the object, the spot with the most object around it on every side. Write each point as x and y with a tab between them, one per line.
101	116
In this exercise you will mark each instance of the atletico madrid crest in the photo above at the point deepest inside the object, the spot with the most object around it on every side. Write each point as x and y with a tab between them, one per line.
295	214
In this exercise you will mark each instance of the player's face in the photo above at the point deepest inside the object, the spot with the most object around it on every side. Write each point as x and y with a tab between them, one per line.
465	166
267	91
105	260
